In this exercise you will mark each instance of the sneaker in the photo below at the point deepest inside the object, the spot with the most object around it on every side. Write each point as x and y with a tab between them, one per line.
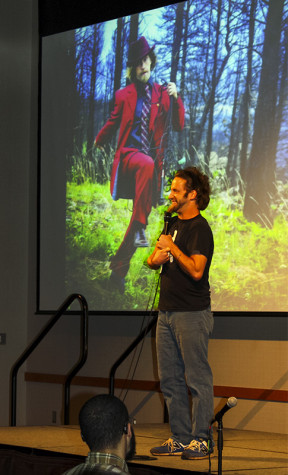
140	239
170	447
198	449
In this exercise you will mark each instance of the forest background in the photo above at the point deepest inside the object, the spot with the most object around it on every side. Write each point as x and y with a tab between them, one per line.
229	61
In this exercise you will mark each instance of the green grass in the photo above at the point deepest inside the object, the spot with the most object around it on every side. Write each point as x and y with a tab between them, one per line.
248	272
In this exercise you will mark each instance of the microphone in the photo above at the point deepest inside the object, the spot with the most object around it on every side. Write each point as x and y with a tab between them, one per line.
232	402
167	217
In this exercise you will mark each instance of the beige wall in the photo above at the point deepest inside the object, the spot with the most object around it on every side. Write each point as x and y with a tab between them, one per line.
235	363
252	364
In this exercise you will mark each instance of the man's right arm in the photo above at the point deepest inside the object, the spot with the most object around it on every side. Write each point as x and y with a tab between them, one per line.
158	257
150	261
111	126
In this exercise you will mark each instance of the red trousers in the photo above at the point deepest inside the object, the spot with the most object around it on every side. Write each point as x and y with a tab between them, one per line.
138	168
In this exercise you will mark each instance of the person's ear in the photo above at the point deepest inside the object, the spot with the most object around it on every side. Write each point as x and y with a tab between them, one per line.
127	429
192	195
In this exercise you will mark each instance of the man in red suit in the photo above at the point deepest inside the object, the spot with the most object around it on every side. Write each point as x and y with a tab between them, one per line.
142	114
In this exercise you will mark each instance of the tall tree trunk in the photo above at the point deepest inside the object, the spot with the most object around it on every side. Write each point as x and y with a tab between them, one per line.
177	39
133	33
81	125
232	151
134	26
91	111
182	136
209	103
118	56
213	89
210	97
170	159
261	171
247	92
283	83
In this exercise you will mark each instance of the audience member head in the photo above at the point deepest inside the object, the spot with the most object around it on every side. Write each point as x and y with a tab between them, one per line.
104	424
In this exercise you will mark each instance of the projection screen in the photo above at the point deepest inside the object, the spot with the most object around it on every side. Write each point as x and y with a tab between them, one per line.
230	70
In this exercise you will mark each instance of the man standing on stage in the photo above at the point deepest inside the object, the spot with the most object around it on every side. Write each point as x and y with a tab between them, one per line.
142	114
185	321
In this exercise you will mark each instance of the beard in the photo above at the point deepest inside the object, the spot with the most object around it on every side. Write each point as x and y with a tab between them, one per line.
132	446
144	77
175	206
172	207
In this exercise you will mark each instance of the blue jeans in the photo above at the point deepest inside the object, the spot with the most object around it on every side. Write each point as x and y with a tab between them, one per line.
182	350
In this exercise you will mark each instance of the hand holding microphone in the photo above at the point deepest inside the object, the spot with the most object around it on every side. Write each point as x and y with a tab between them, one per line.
161	244
167	218
166	239
161	253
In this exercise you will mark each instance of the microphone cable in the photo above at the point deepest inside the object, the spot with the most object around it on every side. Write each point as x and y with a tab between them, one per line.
154	293
140	350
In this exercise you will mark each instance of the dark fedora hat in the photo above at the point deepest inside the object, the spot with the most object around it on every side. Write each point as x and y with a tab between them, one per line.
137	50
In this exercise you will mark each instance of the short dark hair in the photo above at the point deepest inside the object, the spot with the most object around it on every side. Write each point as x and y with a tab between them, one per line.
196	180
131	71
103	419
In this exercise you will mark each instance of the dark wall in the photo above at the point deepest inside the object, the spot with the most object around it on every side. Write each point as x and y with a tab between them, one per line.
61	15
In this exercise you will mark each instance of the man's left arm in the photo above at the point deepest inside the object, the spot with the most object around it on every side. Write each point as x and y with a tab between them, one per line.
193	265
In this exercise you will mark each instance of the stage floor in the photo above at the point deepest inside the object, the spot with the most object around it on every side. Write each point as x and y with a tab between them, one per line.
244	452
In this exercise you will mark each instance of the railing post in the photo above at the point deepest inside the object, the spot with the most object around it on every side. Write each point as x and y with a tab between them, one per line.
39	338
79	364
127	352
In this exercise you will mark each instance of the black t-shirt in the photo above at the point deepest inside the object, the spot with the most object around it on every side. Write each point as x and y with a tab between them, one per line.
178	291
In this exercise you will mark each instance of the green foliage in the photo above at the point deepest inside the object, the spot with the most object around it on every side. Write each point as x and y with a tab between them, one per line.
249	267
249	263
90	166
95	227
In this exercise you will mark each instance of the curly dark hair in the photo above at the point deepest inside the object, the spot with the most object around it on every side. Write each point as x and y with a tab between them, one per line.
103	419
196	180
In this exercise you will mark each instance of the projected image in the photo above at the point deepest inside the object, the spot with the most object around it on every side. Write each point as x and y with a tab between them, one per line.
216	81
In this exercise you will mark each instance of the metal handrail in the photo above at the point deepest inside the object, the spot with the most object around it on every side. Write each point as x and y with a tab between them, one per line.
127	352
33	345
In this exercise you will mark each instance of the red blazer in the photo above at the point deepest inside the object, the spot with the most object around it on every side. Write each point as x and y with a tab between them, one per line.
122	117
